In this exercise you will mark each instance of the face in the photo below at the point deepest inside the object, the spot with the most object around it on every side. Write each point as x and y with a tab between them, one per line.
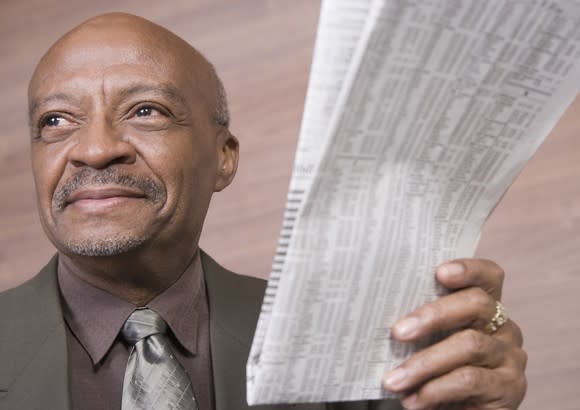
125	152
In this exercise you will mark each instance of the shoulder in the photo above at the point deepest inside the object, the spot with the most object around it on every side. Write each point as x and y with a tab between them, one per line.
234	300
29	314
233	285
33	296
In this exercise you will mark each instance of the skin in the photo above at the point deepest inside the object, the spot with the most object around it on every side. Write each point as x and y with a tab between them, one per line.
126	155
470	369
119	95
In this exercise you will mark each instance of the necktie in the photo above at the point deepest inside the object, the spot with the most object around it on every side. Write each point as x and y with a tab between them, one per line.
154	379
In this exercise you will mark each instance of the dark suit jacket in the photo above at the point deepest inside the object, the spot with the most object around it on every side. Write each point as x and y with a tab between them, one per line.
33	352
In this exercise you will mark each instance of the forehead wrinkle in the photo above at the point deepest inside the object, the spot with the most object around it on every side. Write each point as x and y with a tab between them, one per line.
169	91
166	90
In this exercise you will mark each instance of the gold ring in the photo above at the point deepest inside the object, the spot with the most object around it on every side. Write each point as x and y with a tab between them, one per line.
498	320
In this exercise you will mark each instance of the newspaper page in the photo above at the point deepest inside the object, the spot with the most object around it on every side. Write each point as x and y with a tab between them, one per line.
442	104
340	27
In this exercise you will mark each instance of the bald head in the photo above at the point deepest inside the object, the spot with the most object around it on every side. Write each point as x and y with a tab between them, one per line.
137	38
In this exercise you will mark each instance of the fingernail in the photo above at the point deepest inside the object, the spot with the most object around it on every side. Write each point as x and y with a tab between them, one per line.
452	269
396	378
407	327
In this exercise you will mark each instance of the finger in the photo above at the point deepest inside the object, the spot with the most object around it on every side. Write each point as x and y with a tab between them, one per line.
510	333
475	385
471	307
468	347
463	273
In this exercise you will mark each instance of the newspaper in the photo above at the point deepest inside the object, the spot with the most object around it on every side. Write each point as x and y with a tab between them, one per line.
419	115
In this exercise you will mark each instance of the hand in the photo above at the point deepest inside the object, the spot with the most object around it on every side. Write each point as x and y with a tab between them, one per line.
470	369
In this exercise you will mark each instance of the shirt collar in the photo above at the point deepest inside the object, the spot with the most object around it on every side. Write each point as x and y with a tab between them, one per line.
180	304
95	317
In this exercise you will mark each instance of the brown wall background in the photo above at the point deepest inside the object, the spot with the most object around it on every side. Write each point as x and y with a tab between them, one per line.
263	49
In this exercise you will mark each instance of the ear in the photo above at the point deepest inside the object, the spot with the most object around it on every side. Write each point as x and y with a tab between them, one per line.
228	153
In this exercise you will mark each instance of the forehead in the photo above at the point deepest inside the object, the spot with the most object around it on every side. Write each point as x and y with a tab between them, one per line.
86	65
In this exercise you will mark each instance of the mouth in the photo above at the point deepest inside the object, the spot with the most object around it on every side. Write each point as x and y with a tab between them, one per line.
101	197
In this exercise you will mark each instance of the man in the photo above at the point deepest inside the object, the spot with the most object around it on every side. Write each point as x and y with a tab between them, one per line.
130	139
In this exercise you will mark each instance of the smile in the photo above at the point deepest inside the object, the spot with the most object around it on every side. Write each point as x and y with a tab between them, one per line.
101	198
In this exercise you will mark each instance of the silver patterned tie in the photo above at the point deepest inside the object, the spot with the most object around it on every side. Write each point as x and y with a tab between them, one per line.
154	379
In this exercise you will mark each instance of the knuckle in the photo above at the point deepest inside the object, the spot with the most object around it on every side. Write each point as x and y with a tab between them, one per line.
432	312
518	335
518	385
469	378
481	299
522	358
428	394
515	378
420	363
522	388
476	343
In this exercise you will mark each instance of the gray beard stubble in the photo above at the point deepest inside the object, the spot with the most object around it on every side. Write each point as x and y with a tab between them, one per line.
111	246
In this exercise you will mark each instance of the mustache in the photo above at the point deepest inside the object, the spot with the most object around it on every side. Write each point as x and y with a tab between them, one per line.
153	190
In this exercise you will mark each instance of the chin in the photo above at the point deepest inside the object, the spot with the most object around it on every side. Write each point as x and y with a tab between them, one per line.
99	237
104	246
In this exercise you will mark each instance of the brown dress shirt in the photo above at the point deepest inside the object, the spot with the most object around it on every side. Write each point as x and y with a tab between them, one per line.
97	356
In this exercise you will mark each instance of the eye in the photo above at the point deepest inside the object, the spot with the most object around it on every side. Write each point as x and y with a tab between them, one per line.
148	111
145	111
55	126
53	120
150	117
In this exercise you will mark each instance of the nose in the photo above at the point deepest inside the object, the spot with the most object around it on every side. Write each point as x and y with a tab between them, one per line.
100	144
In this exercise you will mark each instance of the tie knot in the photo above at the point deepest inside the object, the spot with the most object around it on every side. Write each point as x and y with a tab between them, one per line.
141	324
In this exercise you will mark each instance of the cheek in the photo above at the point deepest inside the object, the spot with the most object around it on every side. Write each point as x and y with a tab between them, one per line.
187	169
48	166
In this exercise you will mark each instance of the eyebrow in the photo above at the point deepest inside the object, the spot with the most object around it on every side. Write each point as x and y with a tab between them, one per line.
36	103
169	91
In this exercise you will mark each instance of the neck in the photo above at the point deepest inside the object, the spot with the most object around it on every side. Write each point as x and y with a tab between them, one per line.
137	276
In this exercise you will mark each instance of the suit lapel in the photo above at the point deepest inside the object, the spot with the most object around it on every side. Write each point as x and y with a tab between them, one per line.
34	374
234	305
